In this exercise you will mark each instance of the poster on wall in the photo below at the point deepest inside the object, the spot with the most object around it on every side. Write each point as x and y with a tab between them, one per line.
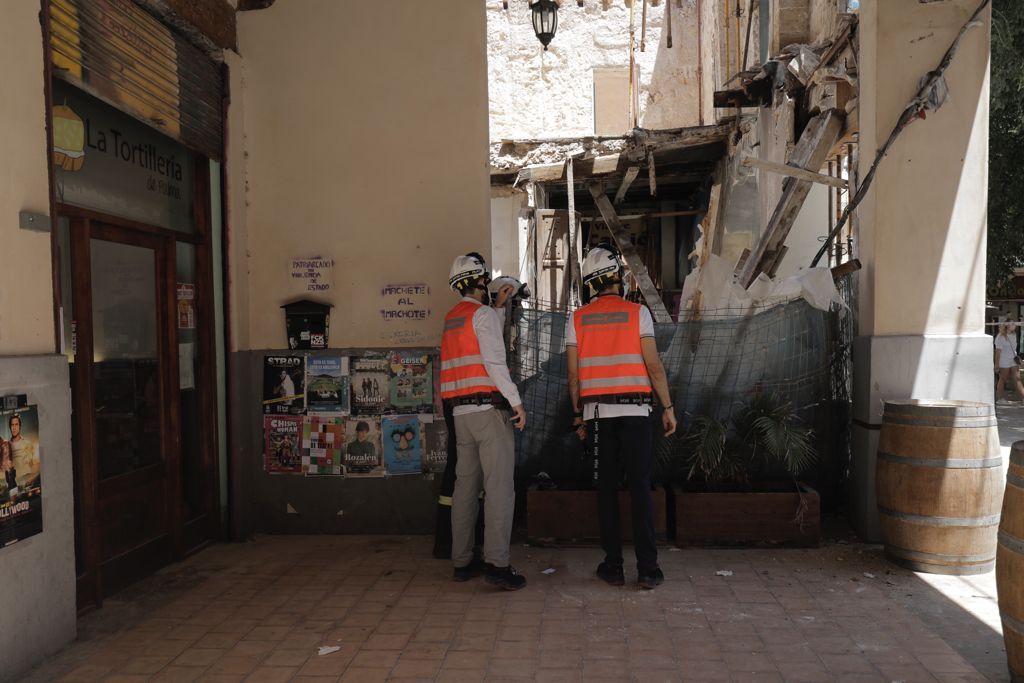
283	385
435	446
412	382
362	456
402	448
327	385
370	381
21	502
323	445
282	450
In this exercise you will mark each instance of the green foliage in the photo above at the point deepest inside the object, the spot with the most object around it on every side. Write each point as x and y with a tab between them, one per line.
710	456
764	436
770	429
1006	143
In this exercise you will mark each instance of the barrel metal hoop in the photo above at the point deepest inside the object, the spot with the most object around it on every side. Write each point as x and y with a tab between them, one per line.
950	423
976	464
1017	456
1013	623
990	520
933	557
1011	542
1015	480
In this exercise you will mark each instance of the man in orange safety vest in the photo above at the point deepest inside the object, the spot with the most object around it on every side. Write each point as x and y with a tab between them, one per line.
477	387
613	368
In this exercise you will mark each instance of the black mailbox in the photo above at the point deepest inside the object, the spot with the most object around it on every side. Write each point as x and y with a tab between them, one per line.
307	324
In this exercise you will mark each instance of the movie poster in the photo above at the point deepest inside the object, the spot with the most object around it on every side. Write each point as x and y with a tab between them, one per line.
327	385
402	449
282	450
21	502
412	381
370	381
323	445
363	457
435	446
283	384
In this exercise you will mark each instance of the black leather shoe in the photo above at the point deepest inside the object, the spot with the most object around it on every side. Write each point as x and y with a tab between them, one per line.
611	573
472	570
647	579
505	578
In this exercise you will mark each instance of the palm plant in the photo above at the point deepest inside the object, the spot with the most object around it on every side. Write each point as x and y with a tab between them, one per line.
764	434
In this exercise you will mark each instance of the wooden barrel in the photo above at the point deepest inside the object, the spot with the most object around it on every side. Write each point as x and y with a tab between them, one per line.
1010	564
939	481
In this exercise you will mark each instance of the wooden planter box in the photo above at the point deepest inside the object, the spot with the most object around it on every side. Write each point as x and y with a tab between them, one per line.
566	516
748	517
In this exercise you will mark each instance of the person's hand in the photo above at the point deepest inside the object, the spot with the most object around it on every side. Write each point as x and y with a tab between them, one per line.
580	428
668	419
518	417
504	292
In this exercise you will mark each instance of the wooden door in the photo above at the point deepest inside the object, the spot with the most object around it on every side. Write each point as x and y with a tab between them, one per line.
126	409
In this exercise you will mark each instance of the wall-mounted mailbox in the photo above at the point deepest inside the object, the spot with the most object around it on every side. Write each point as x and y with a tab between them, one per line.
307	324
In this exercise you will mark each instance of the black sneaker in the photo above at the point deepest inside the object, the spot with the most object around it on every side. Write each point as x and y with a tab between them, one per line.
611	573
505	578
472	570
647	579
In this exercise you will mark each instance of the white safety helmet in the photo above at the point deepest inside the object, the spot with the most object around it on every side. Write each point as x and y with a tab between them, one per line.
600	264
467	270
519	289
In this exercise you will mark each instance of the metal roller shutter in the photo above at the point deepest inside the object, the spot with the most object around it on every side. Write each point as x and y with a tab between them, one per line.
118	52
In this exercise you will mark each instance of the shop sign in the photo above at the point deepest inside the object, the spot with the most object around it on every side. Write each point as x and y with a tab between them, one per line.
107	161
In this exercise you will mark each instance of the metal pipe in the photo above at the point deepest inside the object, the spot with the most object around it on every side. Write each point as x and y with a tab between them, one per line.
700	64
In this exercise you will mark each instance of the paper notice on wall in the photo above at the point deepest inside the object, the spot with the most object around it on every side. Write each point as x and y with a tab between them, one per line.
186	295
313	274
186	366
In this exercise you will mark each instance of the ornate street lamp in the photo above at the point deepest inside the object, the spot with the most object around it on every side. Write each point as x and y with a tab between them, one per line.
545	20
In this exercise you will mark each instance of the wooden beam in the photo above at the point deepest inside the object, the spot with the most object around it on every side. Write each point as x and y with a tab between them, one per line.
632	259
794	172
843	269
811	151
214	19
631	173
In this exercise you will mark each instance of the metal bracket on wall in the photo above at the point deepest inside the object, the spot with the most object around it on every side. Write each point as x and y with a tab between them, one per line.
39	222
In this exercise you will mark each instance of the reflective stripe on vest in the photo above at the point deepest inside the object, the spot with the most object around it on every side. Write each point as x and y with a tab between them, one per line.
463	372
611	360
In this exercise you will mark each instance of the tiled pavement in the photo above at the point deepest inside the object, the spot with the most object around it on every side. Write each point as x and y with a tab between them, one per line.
259	611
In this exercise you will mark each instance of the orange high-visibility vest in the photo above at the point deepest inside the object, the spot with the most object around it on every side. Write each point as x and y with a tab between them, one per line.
463	372
611	360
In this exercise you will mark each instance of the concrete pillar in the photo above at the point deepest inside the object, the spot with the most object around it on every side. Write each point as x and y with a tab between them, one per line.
922	226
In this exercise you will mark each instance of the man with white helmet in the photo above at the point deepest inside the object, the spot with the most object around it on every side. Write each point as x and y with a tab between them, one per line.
476	384
613	367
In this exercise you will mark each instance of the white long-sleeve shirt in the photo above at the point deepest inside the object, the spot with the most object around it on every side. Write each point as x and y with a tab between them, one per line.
487	325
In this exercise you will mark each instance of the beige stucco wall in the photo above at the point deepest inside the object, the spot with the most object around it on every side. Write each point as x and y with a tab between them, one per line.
364	141
922	225
26	291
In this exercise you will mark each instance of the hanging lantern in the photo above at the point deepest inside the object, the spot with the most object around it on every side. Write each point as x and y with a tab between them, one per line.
545	20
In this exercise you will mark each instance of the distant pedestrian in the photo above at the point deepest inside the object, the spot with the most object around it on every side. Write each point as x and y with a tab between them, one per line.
1007	362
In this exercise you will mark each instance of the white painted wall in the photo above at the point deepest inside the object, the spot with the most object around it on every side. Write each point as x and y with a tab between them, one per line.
378	163
537	94
803	241
508	239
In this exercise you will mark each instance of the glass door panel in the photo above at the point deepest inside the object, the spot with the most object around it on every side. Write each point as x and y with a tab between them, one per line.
126	362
